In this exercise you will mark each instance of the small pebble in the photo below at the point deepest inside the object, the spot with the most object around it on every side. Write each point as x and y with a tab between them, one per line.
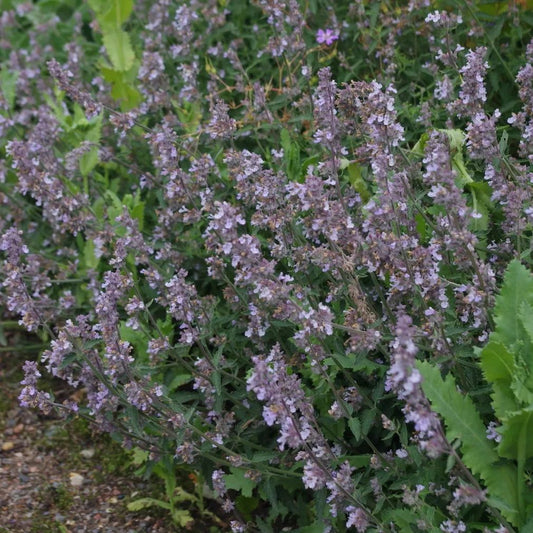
88	453
76	480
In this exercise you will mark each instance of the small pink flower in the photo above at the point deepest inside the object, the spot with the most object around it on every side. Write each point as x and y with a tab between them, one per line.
326	36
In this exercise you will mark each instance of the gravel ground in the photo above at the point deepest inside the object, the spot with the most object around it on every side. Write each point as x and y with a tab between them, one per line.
58	477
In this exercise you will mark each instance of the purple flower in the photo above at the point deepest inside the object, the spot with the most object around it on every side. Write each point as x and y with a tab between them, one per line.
326	36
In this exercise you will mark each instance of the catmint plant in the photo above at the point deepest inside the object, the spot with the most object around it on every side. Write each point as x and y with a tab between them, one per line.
268	240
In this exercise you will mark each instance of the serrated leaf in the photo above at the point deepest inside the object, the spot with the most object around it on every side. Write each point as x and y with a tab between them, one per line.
462	420
517	433
143	503
182	517
464	423
456	138
237	481
181	495
497	362
140	456
118	46
8	85
116	15
525	315
517	288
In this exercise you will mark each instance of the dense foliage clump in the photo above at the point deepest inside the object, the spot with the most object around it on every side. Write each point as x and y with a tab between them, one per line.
286	243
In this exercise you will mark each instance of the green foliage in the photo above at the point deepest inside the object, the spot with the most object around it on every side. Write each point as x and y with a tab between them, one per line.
111	16
506	366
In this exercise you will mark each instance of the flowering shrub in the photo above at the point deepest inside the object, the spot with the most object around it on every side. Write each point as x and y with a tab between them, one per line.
258	235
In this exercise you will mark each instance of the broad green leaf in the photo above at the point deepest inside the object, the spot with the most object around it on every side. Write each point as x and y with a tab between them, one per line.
456	138
123	86
237	481
355	426
517	288
421	227
517	435
91	261
497	362
525	315
88	161
118	46
477	452
98	6
8	85
116	15
462	420
178	381
521	387
481	204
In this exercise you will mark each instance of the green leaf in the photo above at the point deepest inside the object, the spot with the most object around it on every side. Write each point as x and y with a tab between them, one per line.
237	481
181	495
462	420
402	518
316	527
525	315
116	15
118	46
98	6
421	226
139	456
517	288
481	203
418	148
355	176
497	365
517	433
182	517
123	86
355	426
291	155
8	85
178	381
456	140
89	256
464	423
143	503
